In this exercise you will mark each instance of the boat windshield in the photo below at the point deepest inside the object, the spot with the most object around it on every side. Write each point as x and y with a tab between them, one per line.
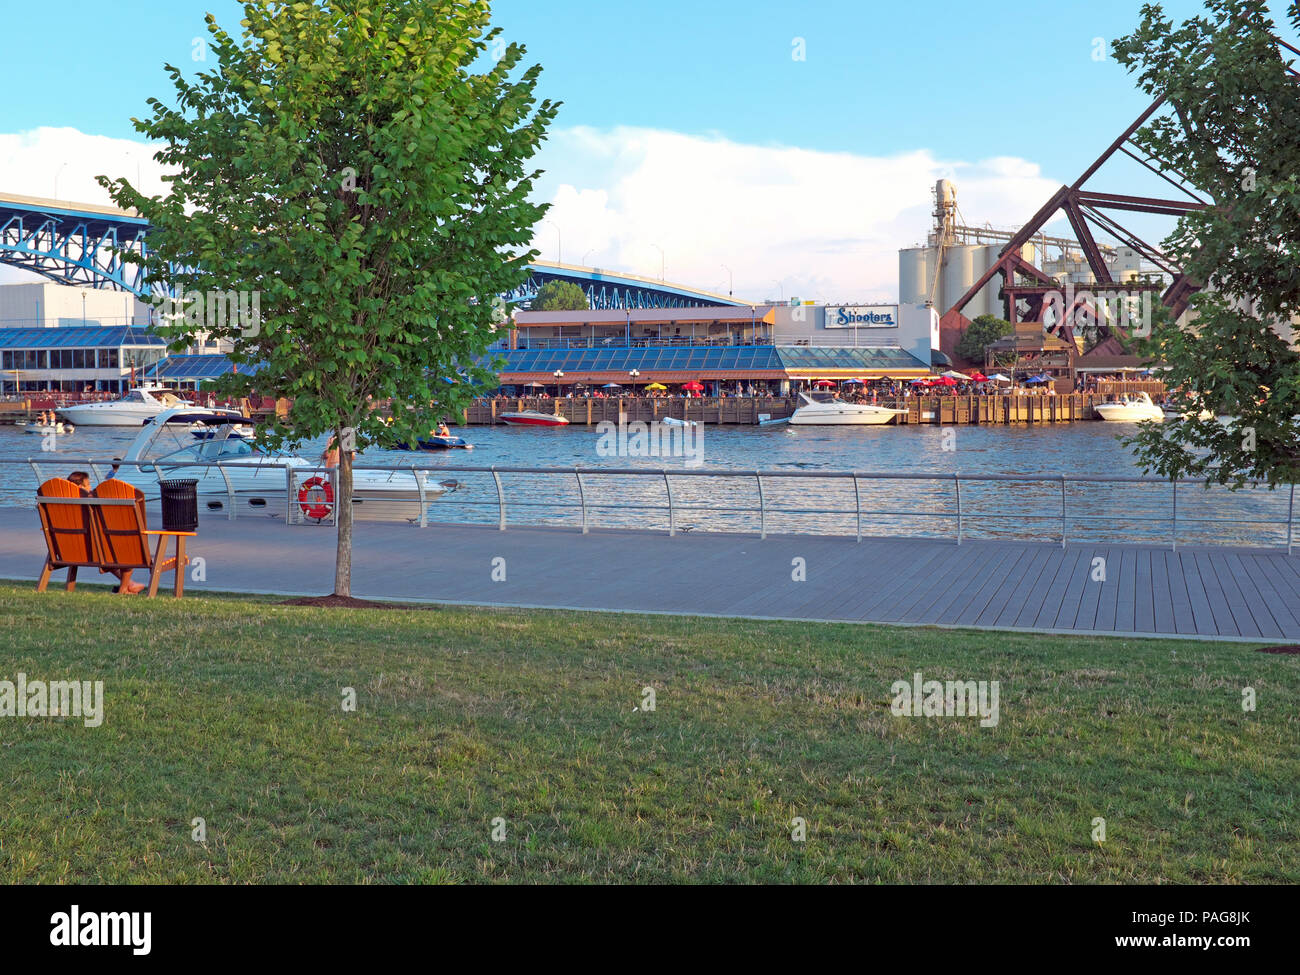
211	451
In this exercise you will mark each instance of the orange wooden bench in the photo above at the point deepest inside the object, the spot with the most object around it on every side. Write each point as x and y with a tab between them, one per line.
105	530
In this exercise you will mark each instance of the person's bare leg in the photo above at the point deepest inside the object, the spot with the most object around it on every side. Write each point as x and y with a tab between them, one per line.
131	587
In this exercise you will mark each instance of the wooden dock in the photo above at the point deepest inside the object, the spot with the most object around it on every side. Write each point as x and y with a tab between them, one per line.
1035	409
1214	593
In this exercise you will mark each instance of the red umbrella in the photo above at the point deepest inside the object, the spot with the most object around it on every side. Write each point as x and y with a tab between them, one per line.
692	385
979	377
945	381
823	382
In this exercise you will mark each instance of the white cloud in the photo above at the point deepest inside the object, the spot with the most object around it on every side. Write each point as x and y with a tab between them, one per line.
786	220
62	163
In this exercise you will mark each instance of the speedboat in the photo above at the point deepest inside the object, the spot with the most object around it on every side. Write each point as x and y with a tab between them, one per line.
56	429
140	404
236	468
532	418
672	421
435	442
834	412
1131	408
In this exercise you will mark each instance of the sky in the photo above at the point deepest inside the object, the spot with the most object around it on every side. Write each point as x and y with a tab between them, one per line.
774	148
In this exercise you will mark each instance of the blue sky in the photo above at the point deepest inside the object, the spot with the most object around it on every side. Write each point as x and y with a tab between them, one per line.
683	116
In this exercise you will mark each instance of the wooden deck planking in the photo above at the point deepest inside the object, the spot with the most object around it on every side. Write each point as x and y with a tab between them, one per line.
1250	612
1124	615
1066	569
1282	598
1144	603
1010	597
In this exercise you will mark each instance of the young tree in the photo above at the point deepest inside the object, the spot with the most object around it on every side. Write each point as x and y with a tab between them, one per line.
1234	133
560	296
359	166
979	335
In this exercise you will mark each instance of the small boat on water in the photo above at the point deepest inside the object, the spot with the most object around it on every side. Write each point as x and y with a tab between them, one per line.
434	442
57	429
1131	408
532	418
672	421
834	412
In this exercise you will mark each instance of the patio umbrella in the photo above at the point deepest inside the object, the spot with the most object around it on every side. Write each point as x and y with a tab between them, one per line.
823	382
534	385
692	385
853	382
953	374
611	386
945	380
997	377
978	377
920	382
656	386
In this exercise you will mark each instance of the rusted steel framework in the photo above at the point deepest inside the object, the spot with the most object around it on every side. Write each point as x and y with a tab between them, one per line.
1086	209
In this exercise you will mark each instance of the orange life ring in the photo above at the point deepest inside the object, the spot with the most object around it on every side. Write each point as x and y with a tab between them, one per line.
314	507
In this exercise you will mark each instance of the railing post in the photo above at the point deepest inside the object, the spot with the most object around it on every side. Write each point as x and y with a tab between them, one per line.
424	505
288	496
1290	510
672	520
762	507
857	498
1062	511
956	480
501	500
582	495
1173	521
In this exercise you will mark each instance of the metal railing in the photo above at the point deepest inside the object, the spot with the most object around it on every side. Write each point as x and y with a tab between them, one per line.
953	499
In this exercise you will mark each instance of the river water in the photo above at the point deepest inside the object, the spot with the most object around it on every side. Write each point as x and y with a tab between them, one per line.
1097	512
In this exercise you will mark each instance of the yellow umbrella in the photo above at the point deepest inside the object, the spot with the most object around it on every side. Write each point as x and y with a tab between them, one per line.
656	386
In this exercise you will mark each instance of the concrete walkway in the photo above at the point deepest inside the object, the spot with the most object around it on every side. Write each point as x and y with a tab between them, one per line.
1215	593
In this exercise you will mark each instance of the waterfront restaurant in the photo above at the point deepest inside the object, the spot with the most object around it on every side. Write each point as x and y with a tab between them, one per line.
76	358
758	348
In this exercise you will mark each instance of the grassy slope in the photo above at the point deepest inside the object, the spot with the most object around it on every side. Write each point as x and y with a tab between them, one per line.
229	709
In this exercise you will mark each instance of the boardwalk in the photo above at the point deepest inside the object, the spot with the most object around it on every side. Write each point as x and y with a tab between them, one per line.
1221	592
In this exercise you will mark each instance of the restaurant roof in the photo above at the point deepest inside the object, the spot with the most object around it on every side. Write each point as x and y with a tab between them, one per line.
77	336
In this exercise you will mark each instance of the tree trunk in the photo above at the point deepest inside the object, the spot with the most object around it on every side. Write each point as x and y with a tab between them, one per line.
343	559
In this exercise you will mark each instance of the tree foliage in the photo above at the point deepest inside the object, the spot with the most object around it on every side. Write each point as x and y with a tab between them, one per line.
361	165
982	332
560	296
1233	132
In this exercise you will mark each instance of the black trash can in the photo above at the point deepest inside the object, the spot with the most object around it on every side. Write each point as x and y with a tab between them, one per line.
180	505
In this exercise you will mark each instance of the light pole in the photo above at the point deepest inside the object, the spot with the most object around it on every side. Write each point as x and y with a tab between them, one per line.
781	285
731	281
584	256
633	374
83	308
662	260
559	389
559	242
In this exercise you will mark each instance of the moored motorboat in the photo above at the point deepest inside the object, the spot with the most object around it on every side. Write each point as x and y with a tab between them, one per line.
532	418
140	404
1131	408
834	412
672	421
236	468
58	429
435	442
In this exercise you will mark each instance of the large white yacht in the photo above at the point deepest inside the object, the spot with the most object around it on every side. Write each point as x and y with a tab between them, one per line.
1131	408
140	404
833	412
231	467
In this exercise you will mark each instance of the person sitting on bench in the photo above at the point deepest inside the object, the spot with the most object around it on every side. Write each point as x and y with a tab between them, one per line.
82	480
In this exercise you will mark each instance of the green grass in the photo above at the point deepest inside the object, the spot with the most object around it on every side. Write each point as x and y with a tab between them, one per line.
229	709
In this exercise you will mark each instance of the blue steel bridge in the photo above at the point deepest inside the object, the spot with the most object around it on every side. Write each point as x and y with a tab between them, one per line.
80	244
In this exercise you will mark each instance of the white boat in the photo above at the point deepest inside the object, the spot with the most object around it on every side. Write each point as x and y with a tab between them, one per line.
532	418
140	404
1131	408
672	421
833	412
258	482
47	429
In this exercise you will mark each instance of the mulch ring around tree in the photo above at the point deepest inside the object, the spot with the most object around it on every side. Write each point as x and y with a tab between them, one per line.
347	602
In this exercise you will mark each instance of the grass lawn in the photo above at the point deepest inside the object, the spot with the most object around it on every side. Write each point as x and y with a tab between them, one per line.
229	709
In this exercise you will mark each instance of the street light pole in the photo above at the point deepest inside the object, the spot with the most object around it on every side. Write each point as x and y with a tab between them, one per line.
559	243
731	281
662	260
